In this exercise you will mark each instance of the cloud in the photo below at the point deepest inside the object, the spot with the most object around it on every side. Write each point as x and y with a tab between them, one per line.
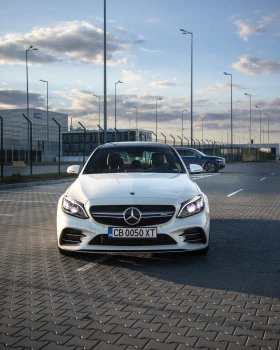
255	66
244	29
129	76
150	51
10	98
153	20
75	41
162	84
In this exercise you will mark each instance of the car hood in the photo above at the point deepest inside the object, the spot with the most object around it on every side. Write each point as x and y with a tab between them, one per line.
131	186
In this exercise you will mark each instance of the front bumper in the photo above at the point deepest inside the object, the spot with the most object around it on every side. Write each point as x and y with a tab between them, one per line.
85	235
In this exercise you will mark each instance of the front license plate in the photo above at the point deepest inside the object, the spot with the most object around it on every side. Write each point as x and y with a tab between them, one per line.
132	232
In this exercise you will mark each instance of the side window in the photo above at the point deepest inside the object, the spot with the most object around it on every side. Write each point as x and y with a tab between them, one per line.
192	154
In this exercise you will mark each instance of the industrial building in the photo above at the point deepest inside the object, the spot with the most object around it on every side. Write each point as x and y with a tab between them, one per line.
35	134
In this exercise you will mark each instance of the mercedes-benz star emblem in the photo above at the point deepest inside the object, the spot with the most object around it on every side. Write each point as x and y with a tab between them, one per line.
132	216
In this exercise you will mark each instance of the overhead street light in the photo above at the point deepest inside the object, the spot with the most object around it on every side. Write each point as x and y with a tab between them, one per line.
250	118
31	48
158	99
105	71
231	128
48	141
191	34
118	82
136	123
260	108
98	119
267	130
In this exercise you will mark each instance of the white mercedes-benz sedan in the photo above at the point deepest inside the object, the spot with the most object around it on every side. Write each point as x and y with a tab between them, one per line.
133	197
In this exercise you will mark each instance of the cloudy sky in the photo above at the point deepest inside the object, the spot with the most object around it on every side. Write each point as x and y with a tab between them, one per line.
149	54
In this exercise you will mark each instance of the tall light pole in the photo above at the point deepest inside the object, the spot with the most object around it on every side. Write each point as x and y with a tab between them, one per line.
105	74
136	122
126	113
260	108
158	99
118	82
231	128
98	118
250	118
267	130
202	120
31	48
191	34
48	140
185	110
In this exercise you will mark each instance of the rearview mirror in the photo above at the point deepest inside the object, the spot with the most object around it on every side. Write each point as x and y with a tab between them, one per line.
73	169
195	168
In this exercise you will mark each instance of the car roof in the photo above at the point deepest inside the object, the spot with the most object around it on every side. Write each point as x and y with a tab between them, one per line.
136	144
185	148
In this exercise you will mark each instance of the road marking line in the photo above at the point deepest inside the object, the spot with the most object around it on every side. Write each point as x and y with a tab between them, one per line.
195	177
90	265
233	193
263	179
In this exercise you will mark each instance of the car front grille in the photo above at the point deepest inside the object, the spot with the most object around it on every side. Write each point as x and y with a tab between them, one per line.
105	240
113	215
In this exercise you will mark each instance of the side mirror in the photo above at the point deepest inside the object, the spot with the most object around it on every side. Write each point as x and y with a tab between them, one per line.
73	169
195	168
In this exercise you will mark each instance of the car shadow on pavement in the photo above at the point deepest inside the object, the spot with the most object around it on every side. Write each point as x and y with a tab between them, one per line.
243	257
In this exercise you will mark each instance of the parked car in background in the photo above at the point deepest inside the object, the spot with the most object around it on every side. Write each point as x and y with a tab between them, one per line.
211	164
133	197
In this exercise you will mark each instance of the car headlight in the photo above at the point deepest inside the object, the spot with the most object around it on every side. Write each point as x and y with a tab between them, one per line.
74	208
191	207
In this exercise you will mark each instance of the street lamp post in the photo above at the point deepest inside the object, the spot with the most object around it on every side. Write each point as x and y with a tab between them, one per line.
185	110
267	130
231	128
250	118
186	32
158	99
260	108
105	71
48	137
136	123
118	82
98	119
31	48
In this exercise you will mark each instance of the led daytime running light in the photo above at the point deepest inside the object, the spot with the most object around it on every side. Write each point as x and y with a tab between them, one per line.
191	207
74	208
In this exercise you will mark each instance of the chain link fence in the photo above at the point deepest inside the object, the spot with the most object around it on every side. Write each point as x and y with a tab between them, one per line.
28	149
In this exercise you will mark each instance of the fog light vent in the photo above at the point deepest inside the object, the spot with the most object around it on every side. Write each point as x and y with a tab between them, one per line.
71	236
194	235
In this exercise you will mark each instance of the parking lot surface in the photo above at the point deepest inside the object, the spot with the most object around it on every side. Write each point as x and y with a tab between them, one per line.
229	299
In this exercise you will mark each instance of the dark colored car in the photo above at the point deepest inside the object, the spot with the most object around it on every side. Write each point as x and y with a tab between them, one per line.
211	164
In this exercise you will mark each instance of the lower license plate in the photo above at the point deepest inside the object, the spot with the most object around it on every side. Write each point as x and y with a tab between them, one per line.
132	232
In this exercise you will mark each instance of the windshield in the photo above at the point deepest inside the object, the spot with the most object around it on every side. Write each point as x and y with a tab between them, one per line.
134	159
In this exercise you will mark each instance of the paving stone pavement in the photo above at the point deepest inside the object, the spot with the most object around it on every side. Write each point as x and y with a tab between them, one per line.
229	299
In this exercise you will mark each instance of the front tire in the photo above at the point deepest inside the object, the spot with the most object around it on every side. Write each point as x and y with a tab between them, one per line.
210	167
203	251
65	252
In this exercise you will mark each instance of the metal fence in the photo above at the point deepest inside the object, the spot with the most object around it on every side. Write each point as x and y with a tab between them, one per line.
26	149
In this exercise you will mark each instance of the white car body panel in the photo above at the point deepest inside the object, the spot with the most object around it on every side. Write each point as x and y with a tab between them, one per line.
132	189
